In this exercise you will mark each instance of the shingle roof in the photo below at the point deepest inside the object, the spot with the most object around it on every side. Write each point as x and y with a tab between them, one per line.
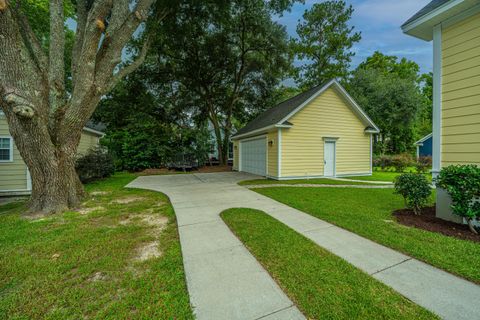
425	10
273	115
97	126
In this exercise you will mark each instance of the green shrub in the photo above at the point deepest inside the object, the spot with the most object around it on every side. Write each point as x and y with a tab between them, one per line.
96	164
415	189
423	164
463	185
382	162
401	161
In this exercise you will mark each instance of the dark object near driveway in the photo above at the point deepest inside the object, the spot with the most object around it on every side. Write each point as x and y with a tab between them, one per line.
184	162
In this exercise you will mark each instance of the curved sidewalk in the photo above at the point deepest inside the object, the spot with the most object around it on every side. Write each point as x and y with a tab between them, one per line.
226	282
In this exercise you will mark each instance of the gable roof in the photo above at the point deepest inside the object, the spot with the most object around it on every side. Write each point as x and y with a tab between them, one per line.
421	141
279	115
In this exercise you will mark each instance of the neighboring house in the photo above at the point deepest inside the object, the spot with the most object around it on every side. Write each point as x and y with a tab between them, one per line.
454	27
319	133
14	176
424	146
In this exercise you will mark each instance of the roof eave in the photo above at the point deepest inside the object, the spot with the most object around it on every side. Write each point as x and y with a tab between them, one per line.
99	133
260	131
422	27
421	141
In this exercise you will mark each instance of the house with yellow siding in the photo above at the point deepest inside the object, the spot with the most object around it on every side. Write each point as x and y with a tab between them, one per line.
322	132
14	176
454	28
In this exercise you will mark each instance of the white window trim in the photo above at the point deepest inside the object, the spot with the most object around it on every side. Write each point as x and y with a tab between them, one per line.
11	149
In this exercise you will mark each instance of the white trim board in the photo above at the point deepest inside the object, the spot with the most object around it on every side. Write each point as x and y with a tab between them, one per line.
362	174
279	153
437	100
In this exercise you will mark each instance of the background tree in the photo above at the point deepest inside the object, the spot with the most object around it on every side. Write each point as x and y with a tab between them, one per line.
144	127
225	60
45	118
425	118
325	43
390	65
389	93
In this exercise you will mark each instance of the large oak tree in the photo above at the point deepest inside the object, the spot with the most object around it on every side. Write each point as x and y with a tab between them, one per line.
225	59
46	119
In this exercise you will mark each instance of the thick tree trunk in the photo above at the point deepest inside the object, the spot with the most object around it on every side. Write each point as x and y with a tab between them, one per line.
55	187
50	158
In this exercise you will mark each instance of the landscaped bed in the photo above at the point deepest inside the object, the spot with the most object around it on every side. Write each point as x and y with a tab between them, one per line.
368	212
322	285
116	257
427	220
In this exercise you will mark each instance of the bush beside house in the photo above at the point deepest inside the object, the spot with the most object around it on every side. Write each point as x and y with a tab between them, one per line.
96	164
415	189
462	183
400	162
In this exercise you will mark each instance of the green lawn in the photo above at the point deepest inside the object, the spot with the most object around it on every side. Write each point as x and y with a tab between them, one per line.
300	181
367	212
91	264
384	176
322	285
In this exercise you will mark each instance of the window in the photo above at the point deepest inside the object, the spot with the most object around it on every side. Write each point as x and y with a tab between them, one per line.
6	149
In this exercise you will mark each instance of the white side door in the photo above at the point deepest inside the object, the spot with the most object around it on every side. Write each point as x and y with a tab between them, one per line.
329	159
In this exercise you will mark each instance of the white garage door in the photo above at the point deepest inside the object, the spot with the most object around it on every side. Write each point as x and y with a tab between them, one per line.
254	156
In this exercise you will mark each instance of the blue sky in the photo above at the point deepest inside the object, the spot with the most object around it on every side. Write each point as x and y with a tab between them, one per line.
379	22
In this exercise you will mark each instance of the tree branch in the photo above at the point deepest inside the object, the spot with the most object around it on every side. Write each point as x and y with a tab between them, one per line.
56	65
122	73
31	41
79	35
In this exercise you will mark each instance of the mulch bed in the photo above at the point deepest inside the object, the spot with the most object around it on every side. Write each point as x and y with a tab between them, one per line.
427	221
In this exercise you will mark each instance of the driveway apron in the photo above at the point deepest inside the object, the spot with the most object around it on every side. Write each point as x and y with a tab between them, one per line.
226	282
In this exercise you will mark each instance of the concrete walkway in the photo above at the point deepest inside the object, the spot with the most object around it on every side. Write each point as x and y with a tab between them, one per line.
226	282
313	185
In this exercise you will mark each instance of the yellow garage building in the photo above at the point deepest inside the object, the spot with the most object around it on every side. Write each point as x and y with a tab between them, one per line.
322	132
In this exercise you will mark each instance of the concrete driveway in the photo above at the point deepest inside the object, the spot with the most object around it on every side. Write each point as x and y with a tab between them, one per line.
226	282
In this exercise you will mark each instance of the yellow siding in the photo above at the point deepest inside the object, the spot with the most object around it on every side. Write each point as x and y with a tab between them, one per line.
13	175
461	92
272	154
87	141
327	116
235	155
